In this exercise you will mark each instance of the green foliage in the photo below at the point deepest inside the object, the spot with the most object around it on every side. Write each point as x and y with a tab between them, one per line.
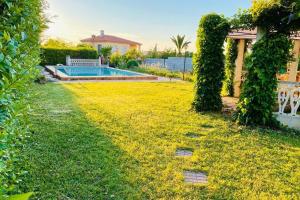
20	26
132	63
57	43
163	72
116	60
25	196
208	62
282	16
133	54
154	53
270	54
85	46
53	56
180	43
230	57
105	52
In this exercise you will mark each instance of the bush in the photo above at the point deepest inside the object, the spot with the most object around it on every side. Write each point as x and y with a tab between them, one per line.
20	26
54	56
132	63
208	63
116	60
133	54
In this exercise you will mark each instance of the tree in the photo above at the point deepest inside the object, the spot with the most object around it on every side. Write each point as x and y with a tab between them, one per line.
106	52
57	43
208	62
180	43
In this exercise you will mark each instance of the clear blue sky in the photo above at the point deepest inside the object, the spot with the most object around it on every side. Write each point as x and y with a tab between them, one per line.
147	21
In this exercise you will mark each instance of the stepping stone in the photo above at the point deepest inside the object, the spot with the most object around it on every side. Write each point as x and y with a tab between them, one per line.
195	177
184	152
193	135
207	126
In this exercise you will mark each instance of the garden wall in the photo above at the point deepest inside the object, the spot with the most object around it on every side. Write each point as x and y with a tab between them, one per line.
172	63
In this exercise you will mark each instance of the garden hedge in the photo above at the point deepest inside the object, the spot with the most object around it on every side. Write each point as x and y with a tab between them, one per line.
20	26
208	63
53	56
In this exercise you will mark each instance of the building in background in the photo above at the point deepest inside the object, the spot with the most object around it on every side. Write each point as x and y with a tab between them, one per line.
118	44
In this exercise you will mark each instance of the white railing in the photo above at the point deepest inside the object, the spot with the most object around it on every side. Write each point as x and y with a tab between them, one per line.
289	96
82	62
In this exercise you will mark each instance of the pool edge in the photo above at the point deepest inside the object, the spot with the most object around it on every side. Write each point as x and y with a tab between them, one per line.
61	76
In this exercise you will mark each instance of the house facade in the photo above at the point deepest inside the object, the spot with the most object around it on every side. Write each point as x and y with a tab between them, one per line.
118	44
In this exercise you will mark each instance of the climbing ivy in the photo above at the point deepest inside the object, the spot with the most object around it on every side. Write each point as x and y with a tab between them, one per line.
230	57
270	54
275	21
208	62
20	25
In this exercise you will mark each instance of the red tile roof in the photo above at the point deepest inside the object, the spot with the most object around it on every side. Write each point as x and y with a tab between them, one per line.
110	38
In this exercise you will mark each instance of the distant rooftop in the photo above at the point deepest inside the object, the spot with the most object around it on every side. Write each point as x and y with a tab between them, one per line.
251	34
109	38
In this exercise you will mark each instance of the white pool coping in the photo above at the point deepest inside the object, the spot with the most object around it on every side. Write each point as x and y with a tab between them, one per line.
64	77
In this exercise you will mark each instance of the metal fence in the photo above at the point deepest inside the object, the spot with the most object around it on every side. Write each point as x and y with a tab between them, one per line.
172	63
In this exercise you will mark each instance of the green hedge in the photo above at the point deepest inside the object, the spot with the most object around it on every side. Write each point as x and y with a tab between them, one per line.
20	26
230	57
208	63
53	56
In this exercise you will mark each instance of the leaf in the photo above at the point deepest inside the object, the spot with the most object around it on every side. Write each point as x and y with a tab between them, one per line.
25	196
1	57
24	36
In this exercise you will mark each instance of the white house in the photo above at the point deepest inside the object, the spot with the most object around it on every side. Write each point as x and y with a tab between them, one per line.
118	44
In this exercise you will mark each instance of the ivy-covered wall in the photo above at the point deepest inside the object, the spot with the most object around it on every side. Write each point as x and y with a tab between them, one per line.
230	57
20	25
208	63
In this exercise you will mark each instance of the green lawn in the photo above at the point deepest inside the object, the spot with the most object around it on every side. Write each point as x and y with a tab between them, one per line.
117	141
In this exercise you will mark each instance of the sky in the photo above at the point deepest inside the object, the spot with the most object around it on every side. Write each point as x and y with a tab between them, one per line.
150	22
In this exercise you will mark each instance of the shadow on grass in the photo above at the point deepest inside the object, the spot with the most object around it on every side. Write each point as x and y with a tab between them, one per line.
67	157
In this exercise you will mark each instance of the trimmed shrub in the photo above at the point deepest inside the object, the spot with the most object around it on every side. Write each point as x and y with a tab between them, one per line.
53	56
230	57
20	26
269	55
132	63
116	60
208	63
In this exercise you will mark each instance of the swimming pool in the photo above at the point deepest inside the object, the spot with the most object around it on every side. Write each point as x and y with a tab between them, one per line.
96	73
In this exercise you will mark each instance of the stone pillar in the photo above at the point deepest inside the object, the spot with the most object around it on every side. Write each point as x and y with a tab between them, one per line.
239	68
293	66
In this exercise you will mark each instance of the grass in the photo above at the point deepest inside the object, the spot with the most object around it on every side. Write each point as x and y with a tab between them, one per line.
118	141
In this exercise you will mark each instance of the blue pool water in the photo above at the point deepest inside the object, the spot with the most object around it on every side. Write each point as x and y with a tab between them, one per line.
95	71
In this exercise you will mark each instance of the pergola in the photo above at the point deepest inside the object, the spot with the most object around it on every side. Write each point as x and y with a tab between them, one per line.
292	74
